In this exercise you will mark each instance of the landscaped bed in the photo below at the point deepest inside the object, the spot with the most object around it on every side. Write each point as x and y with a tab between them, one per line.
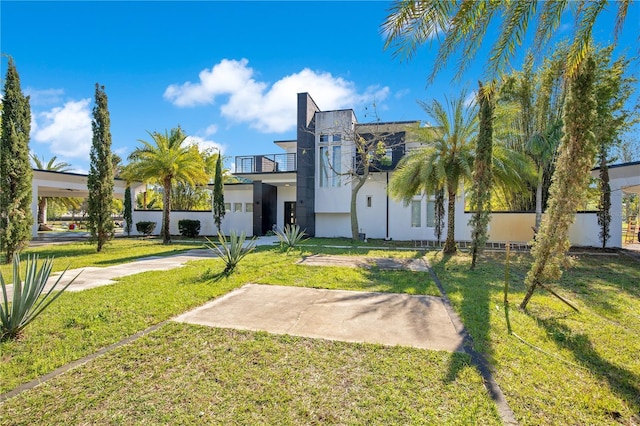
575	368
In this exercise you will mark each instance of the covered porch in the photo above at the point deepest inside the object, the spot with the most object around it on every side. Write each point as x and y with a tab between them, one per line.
52	184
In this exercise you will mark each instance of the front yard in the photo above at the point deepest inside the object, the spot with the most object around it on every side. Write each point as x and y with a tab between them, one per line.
562	368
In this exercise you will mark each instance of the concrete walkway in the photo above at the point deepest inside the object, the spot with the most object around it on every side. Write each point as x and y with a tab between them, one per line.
92	276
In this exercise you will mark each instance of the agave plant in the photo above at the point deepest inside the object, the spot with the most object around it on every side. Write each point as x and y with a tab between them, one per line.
291	236
232	251
27	301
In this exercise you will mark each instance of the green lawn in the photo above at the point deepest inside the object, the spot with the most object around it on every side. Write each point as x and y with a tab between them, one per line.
585	370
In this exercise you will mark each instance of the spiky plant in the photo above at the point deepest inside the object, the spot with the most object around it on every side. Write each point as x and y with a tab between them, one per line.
290	236
27	301
233	251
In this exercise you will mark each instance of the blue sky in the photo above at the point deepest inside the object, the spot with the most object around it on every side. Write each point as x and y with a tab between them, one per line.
227	72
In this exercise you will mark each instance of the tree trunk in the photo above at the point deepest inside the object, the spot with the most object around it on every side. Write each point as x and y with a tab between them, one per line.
166	235
450	243
539	197
355	230
42	210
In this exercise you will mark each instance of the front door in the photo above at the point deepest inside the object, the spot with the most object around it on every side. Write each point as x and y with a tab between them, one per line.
289	213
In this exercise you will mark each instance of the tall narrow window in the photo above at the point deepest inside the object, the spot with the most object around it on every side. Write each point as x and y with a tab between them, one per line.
416	213
336	163
369	201
431	213
324	166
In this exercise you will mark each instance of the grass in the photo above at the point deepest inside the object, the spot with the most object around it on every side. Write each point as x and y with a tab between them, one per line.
576	368
108	314
585	367
185	374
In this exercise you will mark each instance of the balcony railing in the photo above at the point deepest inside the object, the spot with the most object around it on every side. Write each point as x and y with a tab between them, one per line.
268	163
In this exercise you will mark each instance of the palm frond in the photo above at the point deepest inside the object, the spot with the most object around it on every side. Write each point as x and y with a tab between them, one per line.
517	16
583	37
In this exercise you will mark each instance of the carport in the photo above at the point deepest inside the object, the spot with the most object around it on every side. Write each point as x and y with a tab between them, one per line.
48	183
624	179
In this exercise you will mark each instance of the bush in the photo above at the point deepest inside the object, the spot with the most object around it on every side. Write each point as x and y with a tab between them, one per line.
145	228
189	228
26	303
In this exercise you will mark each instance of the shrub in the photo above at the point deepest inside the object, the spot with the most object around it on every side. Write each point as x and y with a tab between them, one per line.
233	251
189	228
290	236
26	303
145	228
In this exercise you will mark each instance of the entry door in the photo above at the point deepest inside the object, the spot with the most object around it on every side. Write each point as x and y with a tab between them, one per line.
289	213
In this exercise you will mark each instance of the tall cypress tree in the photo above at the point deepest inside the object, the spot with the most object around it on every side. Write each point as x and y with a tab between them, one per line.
16	174
100	179
604	204
218	194
482	176
570	181
128	211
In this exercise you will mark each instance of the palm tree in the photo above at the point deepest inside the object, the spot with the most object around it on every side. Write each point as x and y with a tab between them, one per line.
444	162
52	166
447	158
460	27
165	161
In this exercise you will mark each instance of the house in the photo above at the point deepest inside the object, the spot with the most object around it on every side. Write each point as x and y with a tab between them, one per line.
305	183
308	183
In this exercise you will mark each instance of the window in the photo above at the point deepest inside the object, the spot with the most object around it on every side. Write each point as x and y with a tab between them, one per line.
337	165
415	213
237	207
337	137
324	166
248	207
368	200
324	138
330	165
431	213
227	207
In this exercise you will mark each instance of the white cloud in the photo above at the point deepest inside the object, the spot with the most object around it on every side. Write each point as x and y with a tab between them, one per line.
211	130
401	93
44	97
204	144
269	109
66	129
226	77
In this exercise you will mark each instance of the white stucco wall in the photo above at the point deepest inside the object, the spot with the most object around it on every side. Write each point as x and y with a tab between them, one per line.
207	226
238	221
331	225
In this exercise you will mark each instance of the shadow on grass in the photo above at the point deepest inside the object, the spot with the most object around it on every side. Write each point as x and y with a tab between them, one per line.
624	383
469	293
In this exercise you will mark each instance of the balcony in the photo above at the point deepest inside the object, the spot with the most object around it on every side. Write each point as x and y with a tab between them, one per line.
268	163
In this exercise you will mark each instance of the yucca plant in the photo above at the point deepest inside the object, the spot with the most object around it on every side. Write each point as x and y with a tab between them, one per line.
27	301
290	237
232	251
